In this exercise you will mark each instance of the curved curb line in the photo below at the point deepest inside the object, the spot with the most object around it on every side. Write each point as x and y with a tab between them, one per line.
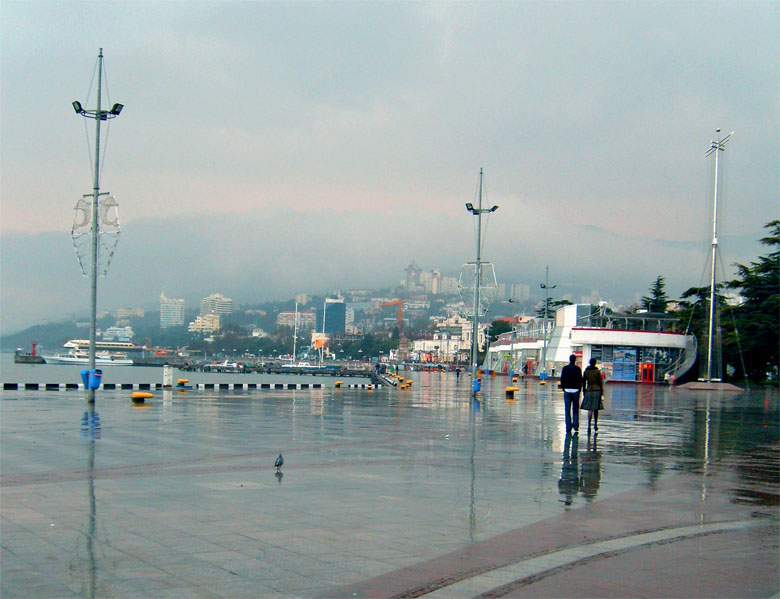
506	575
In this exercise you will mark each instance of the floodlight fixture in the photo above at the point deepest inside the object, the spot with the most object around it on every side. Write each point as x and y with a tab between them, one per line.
77	107
116	109
479	211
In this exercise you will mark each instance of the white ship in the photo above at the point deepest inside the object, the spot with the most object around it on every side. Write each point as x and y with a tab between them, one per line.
76	354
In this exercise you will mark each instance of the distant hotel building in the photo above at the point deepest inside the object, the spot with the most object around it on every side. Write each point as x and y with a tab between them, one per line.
412	282
216	304
306	320
207	323
171	312
520	292
130	312
117	333
433	282
335	316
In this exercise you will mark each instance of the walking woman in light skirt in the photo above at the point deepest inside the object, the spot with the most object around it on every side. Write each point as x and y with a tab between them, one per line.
593	386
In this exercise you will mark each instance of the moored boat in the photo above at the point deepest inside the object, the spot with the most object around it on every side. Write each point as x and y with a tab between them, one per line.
78	357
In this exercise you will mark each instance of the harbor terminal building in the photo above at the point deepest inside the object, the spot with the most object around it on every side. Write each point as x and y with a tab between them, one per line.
642	347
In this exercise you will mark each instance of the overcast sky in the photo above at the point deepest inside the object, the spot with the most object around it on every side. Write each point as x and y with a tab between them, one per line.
268	148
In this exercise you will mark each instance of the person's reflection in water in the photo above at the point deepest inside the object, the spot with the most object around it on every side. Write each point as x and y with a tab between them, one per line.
590	474
569	483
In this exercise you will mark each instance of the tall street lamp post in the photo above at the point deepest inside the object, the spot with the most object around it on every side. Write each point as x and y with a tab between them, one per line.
514	335
546	286
478	212
98	115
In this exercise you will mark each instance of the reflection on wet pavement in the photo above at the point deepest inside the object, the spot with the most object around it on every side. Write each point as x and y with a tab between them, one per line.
181	496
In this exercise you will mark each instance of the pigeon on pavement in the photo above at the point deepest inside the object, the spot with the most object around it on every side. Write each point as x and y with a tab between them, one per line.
278	463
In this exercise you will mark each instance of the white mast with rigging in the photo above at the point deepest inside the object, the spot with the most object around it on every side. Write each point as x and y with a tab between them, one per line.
716	147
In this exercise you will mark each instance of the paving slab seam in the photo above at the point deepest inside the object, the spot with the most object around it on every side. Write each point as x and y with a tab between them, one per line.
189	465
500	581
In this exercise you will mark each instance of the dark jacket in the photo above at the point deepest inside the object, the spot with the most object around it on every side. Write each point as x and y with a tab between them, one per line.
571	377
591	380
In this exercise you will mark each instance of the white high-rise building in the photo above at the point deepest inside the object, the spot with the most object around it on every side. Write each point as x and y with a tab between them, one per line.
449	286
216	303
435	281
306	320
171	312
118	333
520	292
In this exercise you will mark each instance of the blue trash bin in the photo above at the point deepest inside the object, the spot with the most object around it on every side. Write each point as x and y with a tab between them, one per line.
94	378
85	377
477	385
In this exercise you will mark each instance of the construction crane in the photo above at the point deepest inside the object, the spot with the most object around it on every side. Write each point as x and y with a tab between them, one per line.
400	315
403	342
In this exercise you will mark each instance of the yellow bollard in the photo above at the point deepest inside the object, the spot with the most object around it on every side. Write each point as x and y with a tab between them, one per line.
510	392
338	384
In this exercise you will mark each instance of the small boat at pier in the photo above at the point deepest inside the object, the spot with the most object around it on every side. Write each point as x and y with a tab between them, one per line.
22	357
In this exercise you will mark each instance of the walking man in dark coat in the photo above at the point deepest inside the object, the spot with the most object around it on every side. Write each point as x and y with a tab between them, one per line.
571	383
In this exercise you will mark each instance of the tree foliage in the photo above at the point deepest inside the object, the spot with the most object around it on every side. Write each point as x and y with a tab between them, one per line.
497	327
695	314
758	317
657	300
552	307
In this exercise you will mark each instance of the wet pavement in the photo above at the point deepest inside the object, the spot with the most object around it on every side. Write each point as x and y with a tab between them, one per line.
389	493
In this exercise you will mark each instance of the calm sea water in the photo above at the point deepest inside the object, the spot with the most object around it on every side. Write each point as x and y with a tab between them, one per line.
10	372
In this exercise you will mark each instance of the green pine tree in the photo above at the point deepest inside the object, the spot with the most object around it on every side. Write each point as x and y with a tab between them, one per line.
758	317
657	300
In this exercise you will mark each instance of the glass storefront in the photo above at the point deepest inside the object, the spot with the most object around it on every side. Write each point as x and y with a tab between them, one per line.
630	363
